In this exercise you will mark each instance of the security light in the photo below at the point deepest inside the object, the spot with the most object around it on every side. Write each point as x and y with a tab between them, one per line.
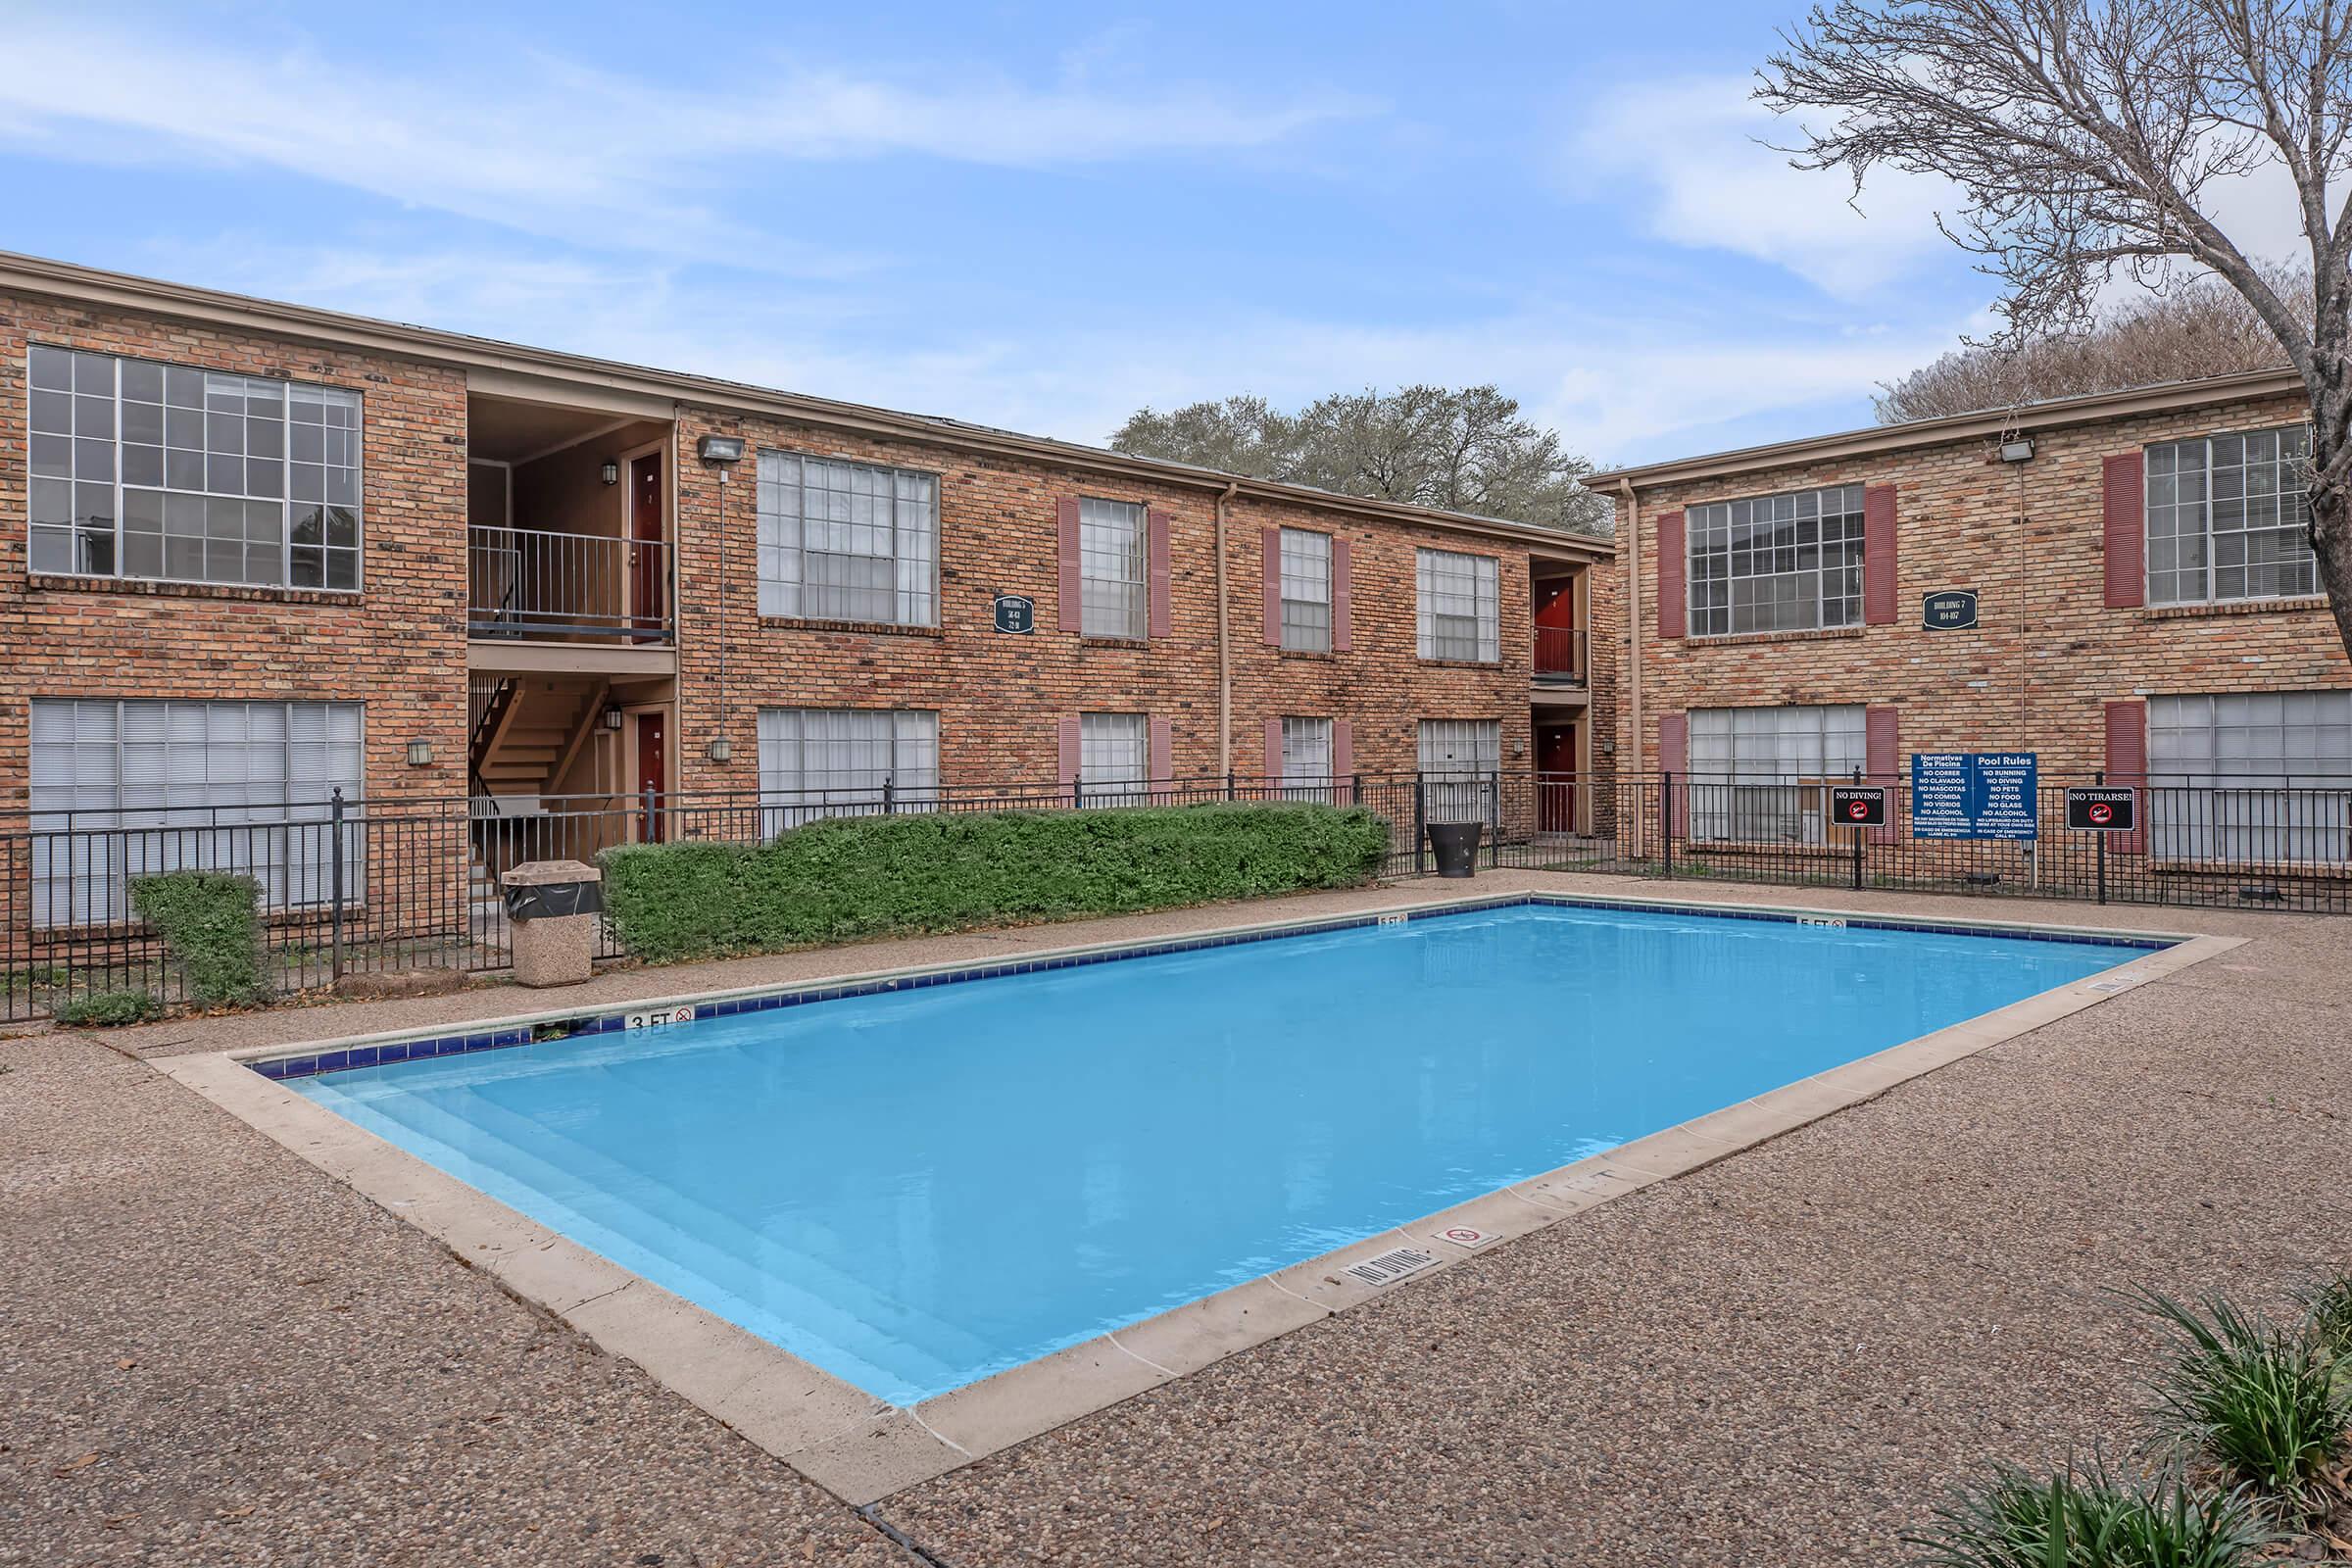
2019	451
719	449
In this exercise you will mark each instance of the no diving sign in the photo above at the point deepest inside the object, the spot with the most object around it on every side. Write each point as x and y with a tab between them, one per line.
1858	805
2101	810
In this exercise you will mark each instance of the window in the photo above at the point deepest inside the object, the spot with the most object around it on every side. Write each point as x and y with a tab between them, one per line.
1459	759
1786	562
848	541
1306	590
2227	519
1305	751
834	762
1114	756
1760	775
226	786
1457	615
160	471
1112	599
2251	776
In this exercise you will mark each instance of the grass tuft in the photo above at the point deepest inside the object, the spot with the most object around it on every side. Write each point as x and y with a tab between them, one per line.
2086	1518
2265	1403
2327	1315
108	1009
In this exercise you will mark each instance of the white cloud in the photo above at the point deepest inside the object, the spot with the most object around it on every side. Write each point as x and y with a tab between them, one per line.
1691	150
558	147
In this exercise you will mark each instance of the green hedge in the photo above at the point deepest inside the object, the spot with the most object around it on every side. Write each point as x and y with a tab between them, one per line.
108	1009
860	877
212	925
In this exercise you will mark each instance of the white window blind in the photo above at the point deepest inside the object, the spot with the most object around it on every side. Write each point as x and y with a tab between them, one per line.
1459	759
227	786
1784	562
848	541
2251	776
2227	519
1306	590
1757	774
1305	751
1458	614
820	761
1114	756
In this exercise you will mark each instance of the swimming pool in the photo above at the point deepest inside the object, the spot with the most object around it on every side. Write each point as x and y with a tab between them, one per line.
913	1189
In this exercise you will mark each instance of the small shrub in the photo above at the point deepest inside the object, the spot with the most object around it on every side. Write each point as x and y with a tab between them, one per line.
2085	1518
108	1009
843	879
2327	1314
210	923
2262	1403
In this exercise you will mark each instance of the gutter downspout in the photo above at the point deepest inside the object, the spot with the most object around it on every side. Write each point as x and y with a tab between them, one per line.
1629	526
1224	643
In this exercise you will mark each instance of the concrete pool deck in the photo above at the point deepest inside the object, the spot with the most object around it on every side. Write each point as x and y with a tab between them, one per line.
1781	1354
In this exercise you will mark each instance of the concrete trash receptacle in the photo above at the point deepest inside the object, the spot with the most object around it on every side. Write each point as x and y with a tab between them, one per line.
554	905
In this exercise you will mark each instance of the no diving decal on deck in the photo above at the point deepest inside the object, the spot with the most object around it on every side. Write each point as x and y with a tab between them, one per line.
1465	1236
655	1018
1387	1268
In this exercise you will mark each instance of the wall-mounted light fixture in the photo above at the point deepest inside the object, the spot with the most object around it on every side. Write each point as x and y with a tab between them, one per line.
609	473
719	449
722	748
2019	450
612	715
420	754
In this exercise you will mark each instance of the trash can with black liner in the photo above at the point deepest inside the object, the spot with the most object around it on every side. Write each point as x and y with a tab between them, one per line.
1456	846
554	907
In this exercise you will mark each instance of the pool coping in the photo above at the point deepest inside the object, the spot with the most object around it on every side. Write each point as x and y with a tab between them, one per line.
863	1449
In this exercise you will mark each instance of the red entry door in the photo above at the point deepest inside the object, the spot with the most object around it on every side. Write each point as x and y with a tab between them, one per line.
651	774
1555	628
1556	782
649	574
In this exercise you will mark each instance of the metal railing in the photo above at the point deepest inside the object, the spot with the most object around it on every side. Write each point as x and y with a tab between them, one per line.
363	887
565	587
1560	656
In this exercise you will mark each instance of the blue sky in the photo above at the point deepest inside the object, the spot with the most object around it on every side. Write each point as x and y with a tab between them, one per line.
1026	215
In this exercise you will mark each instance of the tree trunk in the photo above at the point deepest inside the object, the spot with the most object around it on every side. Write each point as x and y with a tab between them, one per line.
2331	499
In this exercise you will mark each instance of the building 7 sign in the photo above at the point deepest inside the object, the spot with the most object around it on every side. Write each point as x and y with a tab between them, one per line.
1975	795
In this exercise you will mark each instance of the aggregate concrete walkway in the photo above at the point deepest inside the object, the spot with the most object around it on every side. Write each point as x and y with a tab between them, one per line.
1781	1358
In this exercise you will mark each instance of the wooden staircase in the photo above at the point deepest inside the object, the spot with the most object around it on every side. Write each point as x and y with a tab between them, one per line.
529	735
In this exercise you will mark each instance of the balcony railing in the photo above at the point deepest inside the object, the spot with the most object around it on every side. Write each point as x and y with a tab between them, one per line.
1560	656
567	587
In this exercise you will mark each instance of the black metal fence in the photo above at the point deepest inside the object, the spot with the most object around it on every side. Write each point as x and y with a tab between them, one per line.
353	889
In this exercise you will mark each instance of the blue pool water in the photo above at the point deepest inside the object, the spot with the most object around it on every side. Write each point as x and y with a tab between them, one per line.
914	1190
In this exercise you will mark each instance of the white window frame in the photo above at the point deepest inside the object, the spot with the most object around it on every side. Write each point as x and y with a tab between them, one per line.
1304	559
2251	777
1114	757
1114	572
892	512
871	759
2179	500
1459	762
1773	789
1762	565
276	496
1306	755
196	799
1455	587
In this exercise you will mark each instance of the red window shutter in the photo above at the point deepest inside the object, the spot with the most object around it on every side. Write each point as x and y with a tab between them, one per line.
1161	526
1673	595
1065	738
1342	749
2124	504
1877	555
2127	765
1073	609
1674	757
1164	752
1883	759
1343	599
1274	750
1271	540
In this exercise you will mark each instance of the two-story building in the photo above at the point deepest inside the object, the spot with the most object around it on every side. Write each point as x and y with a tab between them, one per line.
2120	584
255	552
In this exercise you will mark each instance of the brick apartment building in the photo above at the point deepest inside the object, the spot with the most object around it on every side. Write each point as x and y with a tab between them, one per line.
2143	605
252	553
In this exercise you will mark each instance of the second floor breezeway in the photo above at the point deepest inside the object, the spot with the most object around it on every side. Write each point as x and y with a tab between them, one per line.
569	535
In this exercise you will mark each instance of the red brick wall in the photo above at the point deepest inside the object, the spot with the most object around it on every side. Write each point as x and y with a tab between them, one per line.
399	645
2048	653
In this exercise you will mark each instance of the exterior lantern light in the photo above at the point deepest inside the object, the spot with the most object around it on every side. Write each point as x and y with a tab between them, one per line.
420	754
609	473
611	717
722	748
